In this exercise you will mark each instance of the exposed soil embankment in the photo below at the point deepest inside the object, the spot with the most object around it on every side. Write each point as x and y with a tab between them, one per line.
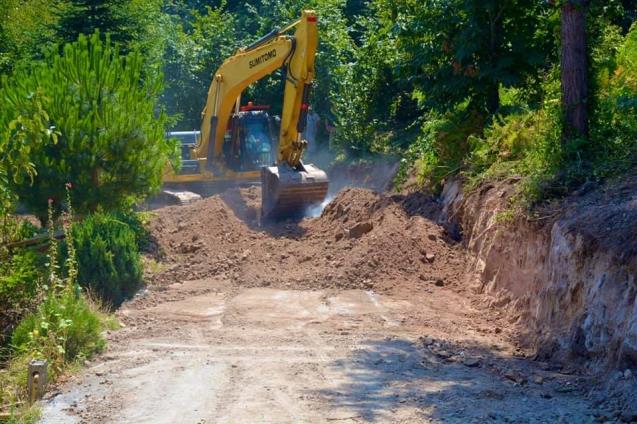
567	278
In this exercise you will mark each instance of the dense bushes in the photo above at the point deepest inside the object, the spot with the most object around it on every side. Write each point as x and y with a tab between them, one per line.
59	322
526	139
108	256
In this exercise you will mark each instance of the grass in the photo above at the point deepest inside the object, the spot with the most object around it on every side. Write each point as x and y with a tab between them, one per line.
151	266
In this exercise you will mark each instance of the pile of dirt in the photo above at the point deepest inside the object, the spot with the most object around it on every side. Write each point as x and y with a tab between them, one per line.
361	235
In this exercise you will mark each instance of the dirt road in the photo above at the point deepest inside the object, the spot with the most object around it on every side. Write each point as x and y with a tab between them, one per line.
360	315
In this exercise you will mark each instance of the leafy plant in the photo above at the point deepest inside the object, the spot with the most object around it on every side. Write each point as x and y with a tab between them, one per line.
65	325
20	281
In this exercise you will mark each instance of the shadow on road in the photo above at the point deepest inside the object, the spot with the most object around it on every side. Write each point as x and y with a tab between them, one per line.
389	380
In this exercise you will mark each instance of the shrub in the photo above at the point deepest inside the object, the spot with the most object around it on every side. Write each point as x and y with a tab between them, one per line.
138	223
613	123
64	328
443	146
107	256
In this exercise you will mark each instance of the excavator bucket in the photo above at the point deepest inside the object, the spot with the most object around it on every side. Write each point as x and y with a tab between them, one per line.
287	192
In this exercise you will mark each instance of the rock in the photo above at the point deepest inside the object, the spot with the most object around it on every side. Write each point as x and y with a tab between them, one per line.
471	362
497	330
430	257
432	237
190	247
339	236
538	379
358	230
628	374
515	377
427	340
439	282
443	354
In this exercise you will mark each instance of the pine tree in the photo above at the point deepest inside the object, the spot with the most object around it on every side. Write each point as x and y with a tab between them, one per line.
85	16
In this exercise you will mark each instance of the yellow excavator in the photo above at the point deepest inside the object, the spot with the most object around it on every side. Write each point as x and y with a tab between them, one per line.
237	143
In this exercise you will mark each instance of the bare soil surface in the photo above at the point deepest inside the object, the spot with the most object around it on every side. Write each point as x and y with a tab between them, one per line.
359	315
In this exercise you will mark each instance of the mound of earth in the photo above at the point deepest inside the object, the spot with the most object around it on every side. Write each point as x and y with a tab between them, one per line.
359	236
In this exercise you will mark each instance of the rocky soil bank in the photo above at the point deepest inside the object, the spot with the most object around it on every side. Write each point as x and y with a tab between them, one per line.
565	279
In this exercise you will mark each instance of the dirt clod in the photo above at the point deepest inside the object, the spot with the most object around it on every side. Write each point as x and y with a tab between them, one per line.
358	230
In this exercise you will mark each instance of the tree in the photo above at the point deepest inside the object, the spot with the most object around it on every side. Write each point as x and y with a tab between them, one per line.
574	68
85	16
25	28
461	50
111	144
193	52
18	136
198	43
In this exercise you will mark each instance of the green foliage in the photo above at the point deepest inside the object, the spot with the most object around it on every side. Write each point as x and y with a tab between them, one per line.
21	277
138	223
334	51
371	106
107	256
193	53
441	149
613	123
200	38
22	130
111	135
25	28
458	50
65	327
86	16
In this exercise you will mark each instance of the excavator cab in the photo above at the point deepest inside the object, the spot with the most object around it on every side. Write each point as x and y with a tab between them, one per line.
251	141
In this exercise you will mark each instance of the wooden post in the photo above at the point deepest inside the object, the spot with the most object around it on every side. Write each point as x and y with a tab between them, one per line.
37	379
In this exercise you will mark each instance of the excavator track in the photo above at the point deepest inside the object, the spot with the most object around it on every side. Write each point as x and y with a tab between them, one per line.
287	192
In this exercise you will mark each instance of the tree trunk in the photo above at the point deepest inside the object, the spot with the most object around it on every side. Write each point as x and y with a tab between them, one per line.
574	69
495	42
